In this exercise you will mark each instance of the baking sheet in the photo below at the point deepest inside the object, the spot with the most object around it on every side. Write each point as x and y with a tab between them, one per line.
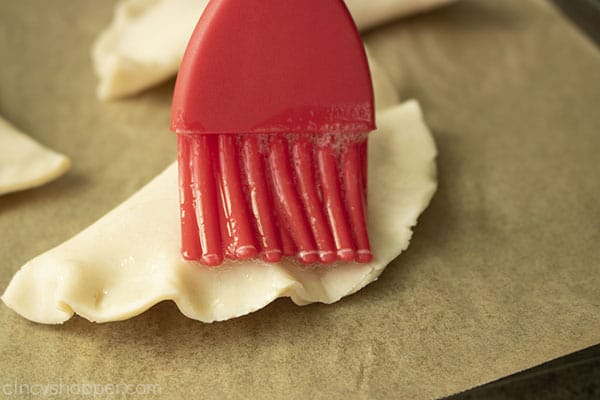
503	272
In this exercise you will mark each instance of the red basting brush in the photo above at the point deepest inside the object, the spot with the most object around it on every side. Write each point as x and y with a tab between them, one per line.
272	108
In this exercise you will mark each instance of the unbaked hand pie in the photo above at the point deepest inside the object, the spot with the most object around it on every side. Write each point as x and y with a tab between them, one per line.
130	259
24	163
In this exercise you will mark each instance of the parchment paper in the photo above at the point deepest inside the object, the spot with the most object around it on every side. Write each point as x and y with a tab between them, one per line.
503	272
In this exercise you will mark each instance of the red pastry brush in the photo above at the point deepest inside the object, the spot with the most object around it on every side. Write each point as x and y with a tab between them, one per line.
272	107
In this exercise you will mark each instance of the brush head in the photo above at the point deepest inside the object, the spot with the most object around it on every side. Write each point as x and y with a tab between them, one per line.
273	66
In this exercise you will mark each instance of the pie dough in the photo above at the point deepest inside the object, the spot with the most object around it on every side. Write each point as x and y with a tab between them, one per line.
126	262
146	40
370	13
24	163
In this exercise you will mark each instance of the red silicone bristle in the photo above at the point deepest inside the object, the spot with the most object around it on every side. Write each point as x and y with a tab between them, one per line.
333	201
207	214
354	199
363	151
236	213
302	151
227	237
287	242
260	199
190	240
226	232
285	194
311	204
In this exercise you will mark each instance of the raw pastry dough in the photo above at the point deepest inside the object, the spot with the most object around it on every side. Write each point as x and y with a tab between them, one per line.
146	40
370	13
24	163
126	262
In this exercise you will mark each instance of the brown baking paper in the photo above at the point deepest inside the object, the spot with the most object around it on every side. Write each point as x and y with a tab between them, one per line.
503	272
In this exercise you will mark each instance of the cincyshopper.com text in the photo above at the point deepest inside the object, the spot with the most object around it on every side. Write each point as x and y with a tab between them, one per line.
88	389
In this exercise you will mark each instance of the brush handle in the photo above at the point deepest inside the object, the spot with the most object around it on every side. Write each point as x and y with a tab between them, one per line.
274	66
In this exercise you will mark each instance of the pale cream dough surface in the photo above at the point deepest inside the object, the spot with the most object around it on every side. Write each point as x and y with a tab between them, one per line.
129	260
146	40
24	163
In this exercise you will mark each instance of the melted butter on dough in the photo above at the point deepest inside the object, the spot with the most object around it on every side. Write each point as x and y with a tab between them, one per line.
126	262
24	163
146	40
